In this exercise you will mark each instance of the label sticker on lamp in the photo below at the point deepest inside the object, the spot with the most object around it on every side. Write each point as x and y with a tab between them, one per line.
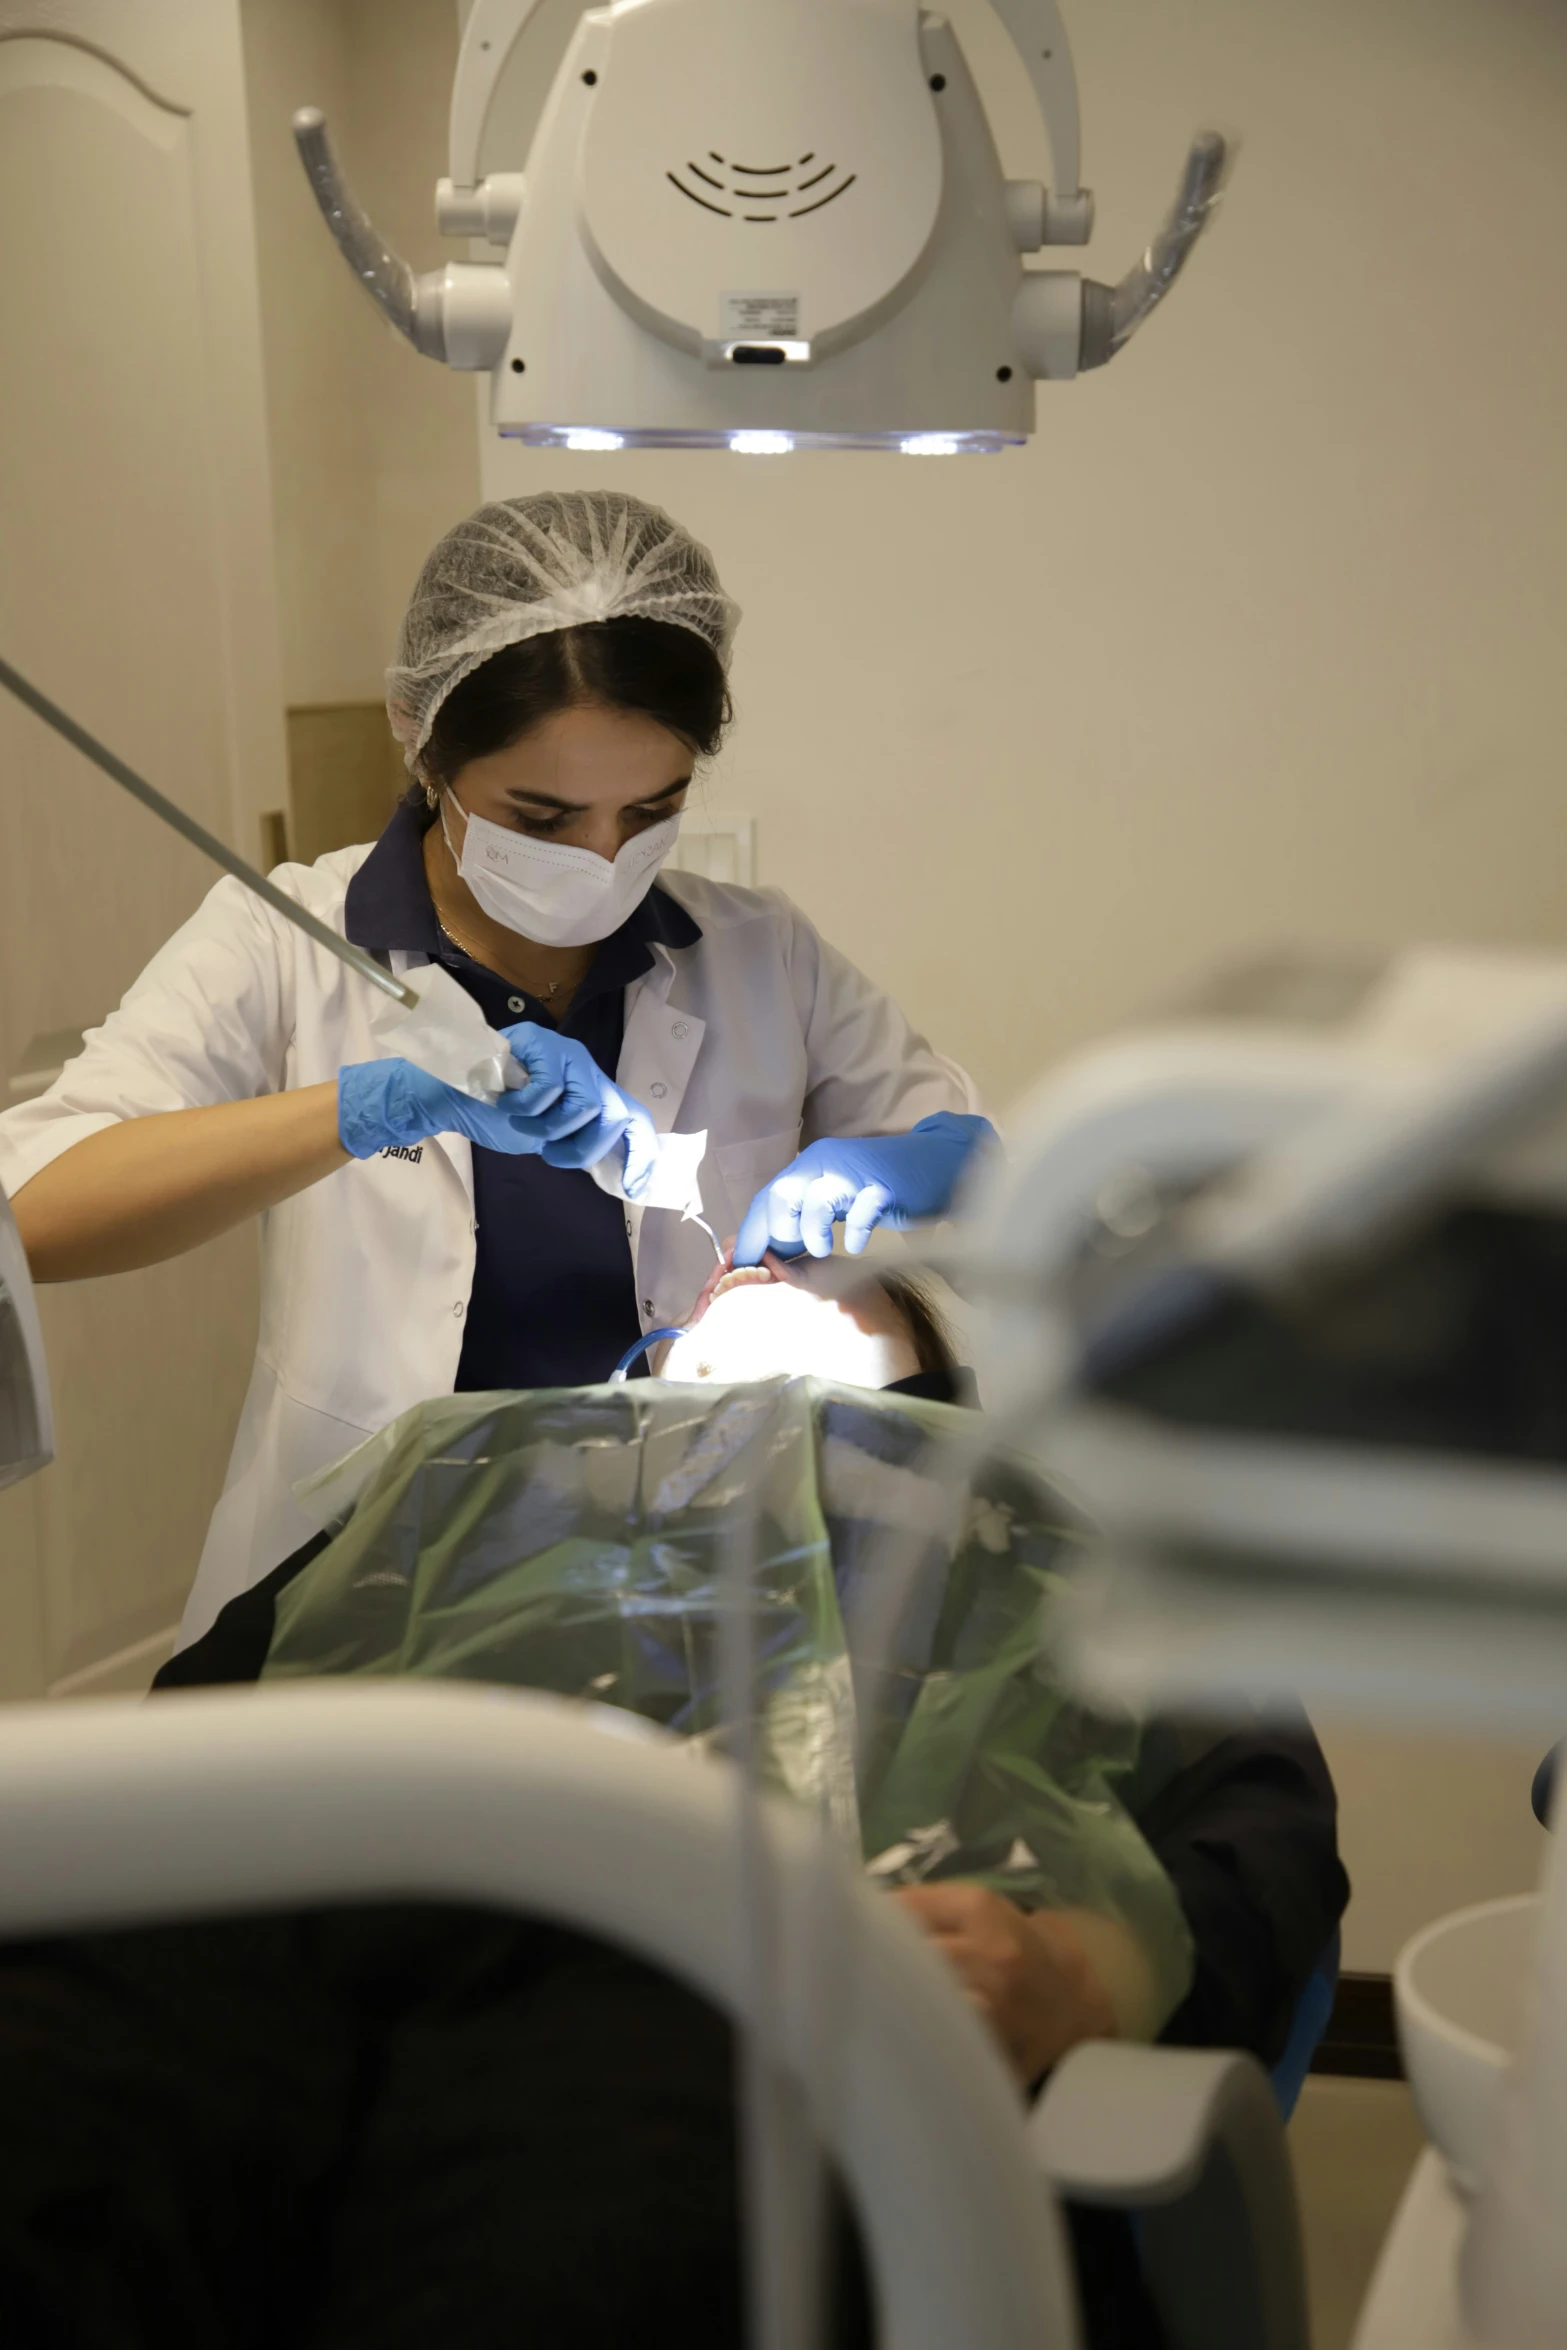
759	318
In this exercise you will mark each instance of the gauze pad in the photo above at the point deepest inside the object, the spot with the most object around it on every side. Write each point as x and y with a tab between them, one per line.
447	1034
674	1181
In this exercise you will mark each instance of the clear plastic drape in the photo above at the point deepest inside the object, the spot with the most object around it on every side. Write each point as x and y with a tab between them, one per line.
575	1541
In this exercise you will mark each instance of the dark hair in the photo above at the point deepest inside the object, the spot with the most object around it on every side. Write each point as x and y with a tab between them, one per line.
928	1332
651	667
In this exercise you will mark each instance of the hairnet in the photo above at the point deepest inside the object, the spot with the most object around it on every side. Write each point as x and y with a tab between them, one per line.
524	567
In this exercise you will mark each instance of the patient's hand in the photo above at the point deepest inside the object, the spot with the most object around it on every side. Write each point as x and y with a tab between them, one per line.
1030	1974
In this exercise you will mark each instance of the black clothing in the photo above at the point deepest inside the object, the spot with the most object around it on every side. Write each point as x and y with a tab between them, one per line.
388	2128
1543	1789
554	1300
383	2128
234	1648
955	1386
1245	1824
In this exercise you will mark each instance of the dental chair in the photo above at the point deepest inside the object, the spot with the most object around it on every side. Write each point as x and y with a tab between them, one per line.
117	1814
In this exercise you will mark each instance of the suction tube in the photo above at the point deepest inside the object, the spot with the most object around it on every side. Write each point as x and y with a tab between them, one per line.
1113	314
385	275
1143	288
618	1375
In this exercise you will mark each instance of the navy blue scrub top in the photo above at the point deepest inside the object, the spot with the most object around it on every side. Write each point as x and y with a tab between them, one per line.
554	1300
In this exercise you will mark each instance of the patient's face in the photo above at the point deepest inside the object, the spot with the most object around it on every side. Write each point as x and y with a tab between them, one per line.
759	1324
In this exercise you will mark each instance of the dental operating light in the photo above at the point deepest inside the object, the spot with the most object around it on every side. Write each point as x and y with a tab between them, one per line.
763	225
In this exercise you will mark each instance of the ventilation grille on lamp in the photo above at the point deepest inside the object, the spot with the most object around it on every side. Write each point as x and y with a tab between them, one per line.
787	190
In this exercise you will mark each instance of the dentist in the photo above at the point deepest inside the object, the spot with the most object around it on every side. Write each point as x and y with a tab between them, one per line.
562	668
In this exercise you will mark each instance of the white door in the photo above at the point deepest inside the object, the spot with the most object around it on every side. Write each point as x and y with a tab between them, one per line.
137	588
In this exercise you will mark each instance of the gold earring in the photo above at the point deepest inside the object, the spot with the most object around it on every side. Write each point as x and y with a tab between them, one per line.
432	795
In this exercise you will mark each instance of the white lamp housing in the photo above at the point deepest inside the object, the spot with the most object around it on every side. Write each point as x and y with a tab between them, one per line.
763	225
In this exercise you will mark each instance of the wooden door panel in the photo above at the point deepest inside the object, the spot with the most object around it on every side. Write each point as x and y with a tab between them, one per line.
136	589
108	594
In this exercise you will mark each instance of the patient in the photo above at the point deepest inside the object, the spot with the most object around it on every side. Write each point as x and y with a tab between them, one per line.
760	1320
401	2125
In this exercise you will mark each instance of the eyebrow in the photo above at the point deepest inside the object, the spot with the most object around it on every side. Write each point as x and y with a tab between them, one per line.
547	799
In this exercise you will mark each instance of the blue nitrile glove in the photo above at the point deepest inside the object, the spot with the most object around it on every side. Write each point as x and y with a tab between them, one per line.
568	1112
896	1179
565	1082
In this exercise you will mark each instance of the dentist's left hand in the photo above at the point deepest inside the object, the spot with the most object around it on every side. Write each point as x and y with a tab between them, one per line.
892	1179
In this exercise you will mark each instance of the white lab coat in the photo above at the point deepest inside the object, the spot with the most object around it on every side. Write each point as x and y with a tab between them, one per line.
761	1033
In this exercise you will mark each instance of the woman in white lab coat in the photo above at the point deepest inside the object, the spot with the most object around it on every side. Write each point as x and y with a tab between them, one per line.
562	666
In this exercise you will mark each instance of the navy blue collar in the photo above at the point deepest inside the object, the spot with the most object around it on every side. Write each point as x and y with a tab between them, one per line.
389	906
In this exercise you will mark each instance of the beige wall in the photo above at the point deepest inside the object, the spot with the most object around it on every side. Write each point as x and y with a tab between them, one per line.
1258	641
374	450
1426	1825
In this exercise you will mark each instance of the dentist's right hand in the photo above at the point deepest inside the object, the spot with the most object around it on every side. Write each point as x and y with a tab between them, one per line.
567	1113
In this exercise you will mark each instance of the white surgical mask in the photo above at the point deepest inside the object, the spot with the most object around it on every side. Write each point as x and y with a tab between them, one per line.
555	895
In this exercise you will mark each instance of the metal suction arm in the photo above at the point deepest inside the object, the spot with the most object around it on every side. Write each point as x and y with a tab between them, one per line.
1113	314
412	304
199	837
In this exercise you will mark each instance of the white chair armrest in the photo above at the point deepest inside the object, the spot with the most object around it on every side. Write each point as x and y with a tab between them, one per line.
1190	2140
117	1813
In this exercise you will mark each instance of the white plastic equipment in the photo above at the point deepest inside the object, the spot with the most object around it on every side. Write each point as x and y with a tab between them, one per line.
121	1813
1459	1991
1298	1120
1235	1286
762	225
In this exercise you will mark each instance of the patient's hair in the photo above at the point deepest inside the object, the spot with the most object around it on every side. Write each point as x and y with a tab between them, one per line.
932	1340
647	667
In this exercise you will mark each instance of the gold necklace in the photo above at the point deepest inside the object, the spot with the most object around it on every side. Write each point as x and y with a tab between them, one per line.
545	995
